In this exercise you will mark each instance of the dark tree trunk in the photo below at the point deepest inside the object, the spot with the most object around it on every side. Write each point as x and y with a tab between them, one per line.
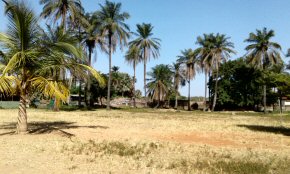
188	76
89	93
264	98
134	80
110	73
145	61
205	91
80	95
176	97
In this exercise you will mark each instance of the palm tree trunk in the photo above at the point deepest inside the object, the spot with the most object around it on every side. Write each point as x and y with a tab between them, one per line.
110	73
188	76
134	80
144	58
205	90
64	21
265	99
22	115
89	98
176	97
80	96
215	90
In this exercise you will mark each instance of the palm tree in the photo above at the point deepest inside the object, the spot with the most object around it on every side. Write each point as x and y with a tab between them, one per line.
92	38
160	82
133	56
148	45
115	30
220	49
61	9
202	51
263	53
189	59
31	64
179	79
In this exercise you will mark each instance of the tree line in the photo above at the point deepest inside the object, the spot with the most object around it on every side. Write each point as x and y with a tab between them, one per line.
46	60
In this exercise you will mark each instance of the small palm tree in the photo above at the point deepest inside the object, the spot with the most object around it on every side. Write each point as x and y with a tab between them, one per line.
220	49
133	56
160	82
115	30
148	45
179	79
189	59
263	53
31	64
61	9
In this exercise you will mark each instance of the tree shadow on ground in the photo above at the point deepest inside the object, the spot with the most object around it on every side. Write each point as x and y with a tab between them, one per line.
271	129
47	127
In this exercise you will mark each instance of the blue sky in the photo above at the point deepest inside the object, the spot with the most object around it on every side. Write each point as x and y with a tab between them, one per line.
178	23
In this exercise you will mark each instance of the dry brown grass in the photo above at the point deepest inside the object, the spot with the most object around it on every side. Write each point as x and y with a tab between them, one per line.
144	141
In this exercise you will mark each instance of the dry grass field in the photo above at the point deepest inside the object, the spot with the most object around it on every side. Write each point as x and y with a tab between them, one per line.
145	141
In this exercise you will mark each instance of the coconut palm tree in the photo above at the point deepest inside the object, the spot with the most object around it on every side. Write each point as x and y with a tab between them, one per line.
189	59
220	49
133	56
160	82
115	30
179	79
92	38
61	9
31	63
148	45
202	51
263	53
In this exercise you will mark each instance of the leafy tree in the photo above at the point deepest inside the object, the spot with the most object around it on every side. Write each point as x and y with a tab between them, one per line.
31	64
263	53
238	85
148	45
179	79
115	30
133	56
160	82
189	59
61	9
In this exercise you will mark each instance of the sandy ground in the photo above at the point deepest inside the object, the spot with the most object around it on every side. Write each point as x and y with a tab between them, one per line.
56	139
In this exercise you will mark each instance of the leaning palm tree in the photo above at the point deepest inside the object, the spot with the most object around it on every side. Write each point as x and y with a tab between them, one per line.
263	53
115	30
61	9
189	59
202	52
148	45
133	56
179	79
160	82
220	50
31	64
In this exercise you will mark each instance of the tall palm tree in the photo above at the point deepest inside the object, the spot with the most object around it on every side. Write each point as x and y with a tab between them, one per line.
160	82
148	45
31	63
92	38
115	30
263	53
133	56
220	50
189	59
61	9
202	51
179	79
